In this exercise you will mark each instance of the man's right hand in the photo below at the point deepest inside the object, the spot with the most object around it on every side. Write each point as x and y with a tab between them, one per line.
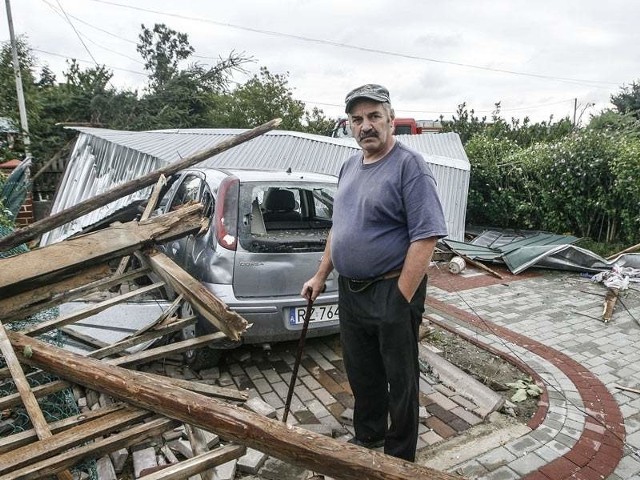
312	288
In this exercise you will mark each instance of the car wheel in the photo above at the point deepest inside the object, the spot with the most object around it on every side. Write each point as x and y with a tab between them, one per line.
197	358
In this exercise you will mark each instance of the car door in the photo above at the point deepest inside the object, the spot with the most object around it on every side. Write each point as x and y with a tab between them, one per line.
189	188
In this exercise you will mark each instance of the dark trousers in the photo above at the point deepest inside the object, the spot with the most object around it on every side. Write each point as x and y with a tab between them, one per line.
379	335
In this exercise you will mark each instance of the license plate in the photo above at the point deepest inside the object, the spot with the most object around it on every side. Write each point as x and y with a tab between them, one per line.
319	313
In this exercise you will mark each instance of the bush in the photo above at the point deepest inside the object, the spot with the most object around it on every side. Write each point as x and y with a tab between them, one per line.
584	184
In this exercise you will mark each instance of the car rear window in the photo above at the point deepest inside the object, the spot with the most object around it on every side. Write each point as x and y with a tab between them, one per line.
285	217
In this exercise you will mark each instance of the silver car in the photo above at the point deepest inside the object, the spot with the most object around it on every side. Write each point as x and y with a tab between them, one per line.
266	236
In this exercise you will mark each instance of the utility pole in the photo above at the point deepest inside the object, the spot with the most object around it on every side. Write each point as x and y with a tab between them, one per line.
575	108
16	70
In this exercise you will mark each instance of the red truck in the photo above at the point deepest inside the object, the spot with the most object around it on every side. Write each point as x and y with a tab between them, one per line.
402	126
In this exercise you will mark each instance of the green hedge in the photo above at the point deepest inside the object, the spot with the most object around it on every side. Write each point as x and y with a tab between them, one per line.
586	184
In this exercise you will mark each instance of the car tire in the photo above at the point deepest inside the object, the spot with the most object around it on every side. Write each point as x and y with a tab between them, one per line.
197	358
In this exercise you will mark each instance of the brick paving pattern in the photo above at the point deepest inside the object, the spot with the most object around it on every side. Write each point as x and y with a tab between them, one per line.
549	323
322	395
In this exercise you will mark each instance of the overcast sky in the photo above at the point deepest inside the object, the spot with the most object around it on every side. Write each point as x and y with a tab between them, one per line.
533	57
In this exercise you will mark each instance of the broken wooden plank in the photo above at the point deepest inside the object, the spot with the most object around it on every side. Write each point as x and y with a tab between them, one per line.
627	389
89	311
289	443
61	260
11	400
96	449
626	250
148	210
129	342
29	401
72	437
22	305
201	299
197	464
32	231
159	352
199	447
610	300
202	388
481	266
16	440
164	317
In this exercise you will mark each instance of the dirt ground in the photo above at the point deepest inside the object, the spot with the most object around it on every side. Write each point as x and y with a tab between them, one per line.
486	367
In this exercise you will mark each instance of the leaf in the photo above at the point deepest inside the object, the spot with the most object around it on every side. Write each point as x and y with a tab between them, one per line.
518	384
534	390
519	396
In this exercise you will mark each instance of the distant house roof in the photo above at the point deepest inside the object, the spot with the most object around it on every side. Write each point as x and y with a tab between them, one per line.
8	126
104	158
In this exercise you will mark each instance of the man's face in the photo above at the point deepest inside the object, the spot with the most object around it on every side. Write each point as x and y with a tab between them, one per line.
372	126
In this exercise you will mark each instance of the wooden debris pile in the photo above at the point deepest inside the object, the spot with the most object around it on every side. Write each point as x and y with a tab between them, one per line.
132	403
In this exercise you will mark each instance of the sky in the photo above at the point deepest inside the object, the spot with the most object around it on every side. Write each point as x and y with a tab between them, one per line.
537	58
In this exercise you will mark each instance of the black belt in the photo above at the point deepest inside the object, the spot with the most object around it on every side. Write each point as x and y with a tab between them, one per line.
356	285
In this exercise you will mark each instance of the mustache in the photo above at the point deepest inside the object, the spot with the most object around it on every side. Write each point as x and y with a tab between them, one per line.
371	134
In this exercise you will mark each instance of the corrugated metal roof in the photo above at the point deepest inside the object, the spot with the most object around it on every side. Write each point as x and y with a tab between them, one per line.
105	158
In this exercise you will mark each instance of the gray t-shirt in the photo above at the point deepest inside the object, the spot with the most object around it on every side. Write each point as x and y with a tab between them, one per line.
379	209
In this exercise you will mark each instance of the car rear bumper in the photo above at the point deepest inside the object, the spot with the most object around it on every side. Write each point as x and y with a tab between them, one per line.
269	316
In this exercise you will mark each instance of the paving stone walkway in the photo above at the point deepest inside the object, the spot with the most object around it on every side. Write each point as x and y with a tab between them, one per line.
548	323
545	322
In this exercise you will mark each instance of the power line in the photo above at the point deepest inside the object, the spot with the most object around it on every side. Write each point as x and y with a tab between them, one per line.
76	31
86	61
90	40
590	83
124	39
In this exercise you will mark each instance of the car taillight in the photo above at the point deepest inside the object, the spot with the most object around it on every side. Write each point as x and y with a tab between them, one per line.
226	213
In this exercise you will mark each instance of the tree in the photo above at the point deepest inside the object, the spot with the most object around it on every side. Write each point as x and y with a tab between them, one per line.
260	99
316	122
162	49
628	99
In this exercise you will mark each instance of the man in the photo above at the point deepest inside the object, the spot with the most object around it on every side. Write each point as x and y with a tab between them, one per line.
386	222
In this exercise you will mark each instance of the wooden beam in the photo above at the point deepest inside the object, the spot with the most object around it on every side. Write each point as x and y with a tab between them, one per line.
202	388
32	231
11	400
148	210
482	266
89	311
145	337
53	445
197	464
199	447
96	449
165	316
201	299
22	305
626	250
61	260
16	440
289	443
152	354
28	399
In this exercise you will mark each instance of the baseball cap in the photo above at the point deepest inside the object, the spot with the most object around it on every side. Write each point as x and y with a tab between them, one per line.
370	91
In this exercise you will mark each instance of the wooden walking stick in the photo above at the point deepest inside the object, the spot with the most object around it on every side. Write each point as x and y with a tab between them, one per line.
294	374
